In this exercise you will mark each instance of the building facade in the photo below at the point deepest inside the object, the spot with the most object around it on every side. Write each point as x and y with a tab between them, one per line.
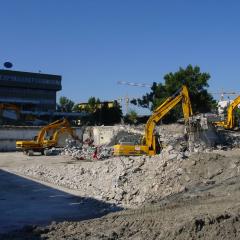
29	91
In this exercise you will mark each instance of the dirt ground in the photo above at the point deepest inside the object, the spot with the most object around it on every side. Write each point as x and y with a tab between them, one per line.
206	206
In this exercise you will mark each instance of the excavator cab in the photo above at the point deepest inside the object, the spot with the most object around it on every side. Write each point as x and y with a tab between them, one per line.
150	144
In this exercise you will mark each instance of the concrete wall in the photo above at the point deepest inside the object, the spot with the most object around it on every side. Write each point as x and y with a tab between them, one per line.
103	135
10	134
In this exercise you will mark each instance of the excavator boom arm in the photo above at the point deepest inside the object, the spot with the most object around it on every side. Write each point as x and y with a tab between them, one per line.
163	109
55	125
55	130
150	145
230	112
229	122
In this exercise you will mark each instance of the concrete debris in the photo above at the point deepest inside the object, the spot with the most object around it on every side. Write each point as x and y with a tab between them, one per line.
230	139
191	168
177	141
132	181
126	136
86	150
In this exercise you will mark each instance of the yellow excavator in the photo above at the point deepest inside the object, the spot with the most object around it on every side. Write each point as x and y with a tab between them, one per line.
229	122
48	137
150	145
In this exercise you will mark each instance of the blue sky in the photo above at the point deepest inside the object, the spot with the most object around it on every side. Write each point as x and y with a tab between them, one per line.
95	43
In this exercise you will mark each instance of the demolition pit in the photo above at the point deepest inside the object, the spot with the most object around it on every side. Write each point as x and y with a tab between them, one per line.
190	190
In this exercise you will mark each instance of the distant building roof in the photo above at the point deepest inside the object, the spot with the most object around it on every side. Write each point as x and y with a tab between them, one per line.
30	74
30	80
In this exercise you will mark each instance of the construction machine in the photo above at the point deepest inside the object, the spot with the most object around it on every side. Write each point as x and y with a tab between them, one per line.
229	122
48	137
150	145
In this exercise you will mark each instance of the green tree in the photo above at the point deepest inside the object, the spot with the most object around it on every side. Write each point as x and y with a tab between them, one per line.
76	108
101	113
197	84
108	115
65	104
131	117
93	104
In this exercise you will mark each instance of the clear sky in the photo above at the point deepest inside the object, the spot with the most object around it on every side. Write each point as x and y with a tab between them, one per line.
95	43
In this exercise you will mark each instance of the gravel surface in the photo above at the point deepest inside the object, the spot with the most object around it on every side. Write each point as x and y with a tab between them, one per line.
208	212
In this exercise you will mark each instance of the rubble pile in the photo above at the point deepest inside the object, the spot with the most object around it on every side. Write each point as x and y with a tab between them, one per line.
231	139
174	144
202	190
188	170
126	181
173	139
126	136
86	150
179	144
133	181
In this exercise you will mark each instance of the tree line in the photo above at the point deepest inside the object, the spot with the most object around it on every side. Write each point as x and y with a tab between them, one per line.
196	81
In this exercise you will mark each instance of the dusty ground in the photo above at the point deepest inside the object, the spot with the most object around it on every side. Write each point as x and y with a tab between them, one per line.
190	198
131	181
184	216
26	202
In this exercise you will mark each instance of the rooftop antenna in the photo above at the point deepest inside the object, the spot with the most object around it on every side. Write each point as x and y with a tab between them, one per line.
8	65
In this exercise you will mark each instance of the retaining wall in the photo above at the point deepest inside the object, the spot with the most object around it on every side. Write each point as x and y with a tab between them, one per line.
10	134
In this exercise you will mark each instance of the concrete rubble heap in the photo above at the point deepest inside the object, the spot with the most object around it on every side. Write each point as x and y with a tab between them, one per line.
86	151
132	181
128	181
175	142
193	172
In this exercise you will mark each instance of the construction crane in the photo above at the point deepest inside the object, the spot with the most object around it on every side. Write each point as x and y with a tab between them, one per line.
222	93
134	84
127	99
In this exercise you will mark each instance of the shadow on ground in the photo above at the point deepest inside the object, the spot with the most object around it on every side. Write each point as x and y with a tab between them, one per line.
24	202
